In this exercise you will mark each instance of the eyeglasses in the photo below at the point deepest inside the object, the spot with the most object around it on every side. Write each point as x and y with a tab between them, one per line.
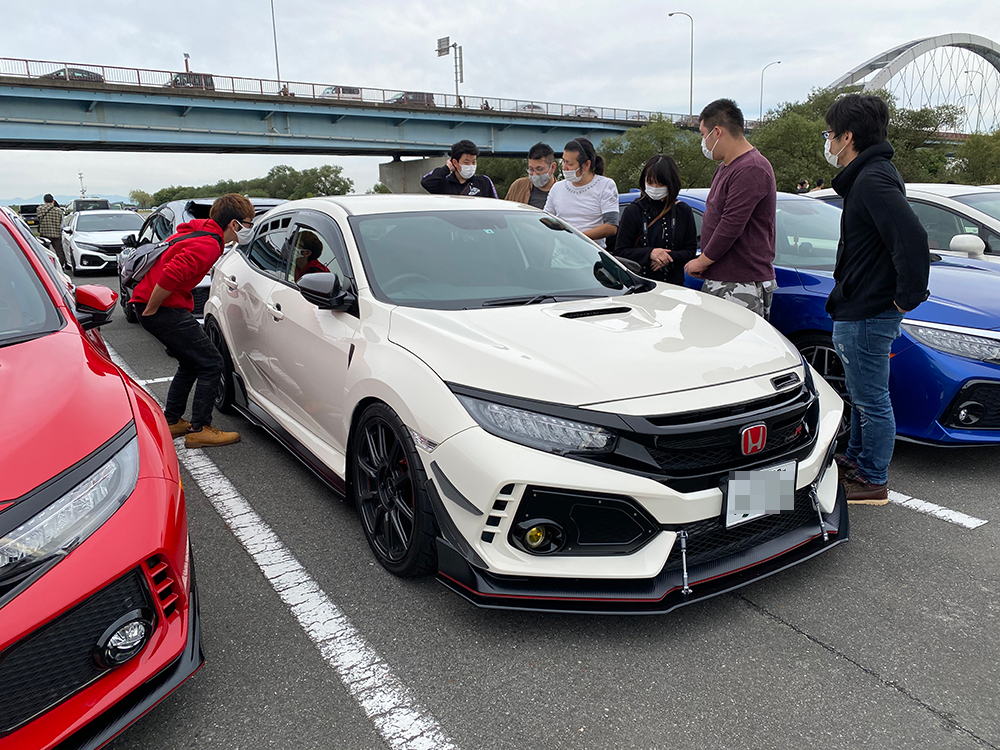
538	170
245	224
829	135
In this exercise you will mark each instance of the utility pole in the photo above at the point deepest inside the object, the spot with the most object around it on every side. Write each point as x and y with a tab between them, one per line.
444	47
83	188
187	65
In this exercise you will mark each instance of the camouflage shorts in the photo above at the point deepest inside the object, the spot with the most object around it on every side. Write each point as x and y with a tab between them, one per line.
753	295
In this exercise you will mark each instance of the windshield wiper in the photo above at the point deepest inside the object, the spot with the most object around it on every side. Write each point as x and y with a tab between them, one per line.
526	300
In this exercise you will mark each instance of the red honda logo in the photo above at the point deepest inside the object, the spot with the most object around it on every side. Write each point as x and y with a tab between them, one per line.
753	439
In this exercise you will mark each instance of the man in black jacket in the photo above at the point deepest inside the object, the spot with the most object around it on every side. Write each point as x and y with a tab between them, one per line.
881	273
458	176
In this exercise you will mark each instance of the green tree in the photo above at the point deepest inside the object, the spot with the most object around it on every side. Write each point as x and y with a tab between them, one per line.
503	171
324	180
625	155
378	188
921	155
141	198
977	161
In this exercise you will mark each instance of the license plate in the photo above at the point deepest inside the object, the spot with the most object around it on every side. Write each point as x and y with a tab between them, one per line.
761	492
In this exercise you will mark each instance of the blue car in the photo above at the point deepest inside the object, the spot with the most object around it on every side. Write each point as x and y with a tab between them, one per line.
945	370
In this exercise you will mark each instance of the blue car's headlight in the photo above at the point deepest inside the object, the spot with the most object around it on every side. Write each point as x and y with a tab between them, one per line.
539	430
73	517
962	342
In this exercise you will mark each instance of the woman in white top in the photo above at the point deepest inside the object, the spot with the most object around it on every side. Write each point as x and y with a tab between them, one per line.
585	199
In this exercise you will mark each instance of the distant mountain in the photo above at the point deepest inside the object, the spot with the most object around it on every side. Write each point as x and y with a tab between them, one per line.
62	199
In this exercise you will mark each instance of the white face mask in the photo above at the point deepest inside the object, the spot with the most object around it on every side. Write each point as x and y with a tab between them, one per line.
709	153
468	171
243	234
573	175
656	193
540	180
831	157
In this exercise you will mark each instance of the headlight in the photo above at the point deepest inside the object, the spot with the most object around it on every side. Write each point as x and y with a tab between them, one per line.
74	516
539	430
957	342
85	246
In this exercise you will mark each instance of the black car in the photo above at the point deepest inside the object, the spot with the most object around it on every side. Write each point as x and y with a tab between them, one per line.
29	212
192	81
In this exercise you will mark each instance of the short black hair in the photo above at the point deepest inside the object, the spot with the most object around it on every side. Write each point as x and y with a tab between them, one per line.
725	114
803	182
463	147
867	117
664	170
48	198
820	181
542	151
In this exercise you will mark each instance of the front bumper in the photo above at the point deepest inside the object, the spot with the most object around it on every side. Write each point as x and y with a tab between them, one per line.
91	260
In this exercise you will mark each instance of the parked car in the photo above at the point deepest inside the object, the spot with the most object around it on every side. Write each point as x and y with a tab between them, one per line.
93	239
75	74
412	99
29	213
510	407
949	211
945	368
534	109
352	93
84	204
189	80
41	245
165	221
97	588
584	112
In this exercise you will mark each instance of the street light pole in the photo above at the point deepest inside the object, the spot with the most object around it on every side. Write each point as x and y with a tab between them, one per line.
691	82
979	103
761	115
274	31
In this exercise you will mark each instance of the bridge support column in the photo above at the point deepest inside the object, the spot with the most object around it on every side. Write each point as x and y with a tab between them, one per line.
404	176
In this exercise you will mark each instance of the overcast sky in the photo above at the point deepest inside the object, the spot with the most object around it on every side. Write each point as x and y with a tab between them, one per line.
598	52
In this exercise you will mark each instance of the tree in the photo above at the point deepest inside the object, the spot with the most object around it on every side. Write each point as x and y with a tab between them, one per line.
378	188
141	198
625	155
921	155
281	181
503	171
977	161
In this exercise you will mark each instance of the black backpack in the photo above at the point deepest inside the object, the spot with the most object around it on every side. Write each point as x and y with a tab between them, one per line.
135	262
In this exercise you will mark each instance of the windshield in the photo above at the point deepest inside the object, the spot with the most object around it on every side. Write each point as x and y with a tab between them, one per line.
96	205
129	222
988	203
26	310
807	234
450	260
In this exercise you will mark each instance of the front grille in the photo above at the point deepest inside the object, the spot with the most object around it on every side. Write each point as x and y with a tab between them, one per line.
200	294
57	660
976	407
710	540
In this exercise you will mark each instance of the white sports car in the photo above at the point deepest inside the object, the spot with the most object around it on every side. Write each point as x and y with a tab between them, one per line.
509	406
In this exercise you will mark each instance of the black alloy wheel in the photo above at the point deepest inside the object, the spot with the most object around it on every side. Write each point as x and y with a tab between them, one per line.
131	315
388	487
225	395
819	352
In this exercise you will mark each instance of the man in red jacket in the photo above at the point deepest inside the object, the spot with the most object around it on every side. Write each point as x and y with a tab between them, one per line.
164	303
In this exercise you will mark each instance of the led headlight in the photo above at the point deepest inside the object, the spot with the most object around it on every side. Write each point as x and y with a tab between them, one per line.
539	430
85	246
74	516
962	342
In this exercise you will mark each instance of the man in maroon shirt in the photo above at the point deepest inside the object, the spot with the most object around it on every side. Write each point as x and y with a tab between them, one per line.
737	234
164	304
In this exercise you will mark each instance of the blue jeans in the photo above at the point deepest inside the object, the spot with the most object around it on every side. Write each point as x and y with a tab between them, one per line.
863	347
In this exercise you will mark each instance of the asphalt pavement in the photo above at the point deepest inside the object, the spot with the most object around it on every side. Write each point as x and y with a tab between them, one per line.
890	641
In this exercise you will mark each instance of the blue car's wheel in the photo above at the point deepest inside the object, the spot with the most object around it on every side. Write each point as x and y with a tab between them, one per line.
818	350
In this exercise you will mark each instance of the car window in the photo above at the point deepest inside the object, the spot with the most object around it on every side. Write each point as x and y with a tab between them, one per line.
316	247
988	203
806	234
148	229
108	222
267	250
941	224
26	310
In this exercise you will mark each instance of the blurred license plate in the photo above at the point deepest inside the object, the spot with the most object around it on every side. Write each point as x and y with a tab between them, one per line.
761	492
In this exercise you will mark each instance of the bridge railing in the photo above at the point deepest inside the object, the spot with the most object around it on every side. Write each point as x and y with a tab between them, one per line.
261	87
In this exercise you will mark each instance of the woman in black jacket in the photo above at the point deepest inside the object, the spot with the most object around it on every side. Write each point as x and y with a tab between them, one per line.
657	231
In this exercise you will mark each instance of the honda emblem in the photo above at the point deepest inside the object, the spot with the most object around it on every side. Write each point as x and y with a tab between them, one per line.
753	439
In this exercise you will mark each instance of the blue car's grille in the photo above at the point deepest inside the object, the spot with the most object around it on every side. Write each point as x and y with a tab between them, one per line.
976	407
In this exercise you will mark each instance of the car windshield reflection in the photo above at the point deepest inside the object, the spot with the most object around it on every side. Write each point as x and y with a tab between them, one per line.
807	234
988	203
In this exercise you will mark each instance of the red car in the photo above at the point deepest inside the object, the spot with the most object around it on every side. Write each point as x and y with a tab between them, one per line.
98	609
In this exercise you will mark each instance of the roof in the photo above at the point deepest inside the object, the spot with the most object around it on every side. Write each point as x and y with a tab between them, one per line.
107	212
385	203
946	190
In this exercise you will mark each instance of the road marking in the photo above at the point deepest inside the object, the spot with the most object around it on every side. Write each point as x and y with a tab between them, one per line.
388	703
938	511
151	381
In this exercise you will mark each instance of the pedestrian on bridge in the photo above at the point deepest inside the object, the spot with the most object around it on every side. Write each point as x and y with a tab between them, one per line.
50	217
738	230
534	189
458	176
585	199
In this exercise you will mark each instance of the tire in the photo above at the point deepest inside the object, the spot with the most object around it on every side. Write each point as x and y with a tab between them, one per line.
130	313
819	352
388	491
225	396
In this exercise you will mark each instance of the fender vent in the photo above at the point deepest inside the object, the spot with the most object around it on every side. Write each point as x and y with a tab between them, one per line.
783	381
164	585
599	311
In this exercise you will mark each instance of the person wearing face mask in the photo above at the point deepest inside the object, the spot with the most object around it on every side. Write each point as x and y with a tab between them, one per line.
882	268
458	176
657	231
534	189
738	229
585	199
164	304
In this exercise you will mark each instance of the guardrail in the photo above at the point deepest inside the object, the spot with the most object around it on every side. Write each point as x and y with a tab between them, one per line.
261	87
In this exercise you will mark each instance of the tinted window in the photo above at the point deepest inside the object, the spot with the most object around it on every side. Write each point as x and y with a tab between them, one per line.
988	203
267	251
108	222
941	224
315	250
26	310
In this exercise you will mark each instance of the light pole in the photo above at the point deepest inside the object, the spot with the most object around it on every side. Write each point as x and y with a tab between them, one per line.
444	46
761	115
979	103
274	32
691	83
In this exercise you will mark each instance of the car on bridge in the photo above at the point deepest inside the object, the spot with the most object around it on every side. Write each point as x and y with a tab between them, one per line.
945	368
351	93
412	99
188	80
507	405
93	239
97	588
585	112
75	74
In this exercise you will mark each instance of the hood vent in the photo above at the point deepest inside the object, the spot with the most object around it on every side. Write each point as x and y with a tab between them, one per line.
599	311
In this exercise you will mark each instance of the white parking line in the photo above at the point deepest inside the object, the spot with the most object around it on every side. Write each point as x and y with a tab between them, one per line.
938	511
153	380
369	679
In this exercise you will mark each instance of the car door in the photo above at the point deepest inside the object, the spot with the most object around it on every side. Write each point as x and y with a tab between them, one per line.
247	279
312	347
941	224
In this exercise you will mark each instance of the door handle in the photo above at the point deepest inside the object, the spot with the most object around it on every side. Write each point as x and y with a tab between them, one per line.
275	311
231	282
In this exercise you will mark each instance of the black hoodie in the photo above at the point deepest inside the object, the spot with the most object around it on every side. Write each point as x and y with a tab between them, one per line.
883	259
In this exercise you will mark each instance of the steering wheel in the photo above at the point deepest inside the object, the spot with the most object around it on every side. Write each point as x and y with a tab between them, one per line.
404	279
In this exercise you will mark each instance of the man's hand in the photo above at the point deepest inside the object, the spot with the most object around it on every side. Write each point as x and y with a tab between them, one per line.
698	266
660	257
900	308
149	310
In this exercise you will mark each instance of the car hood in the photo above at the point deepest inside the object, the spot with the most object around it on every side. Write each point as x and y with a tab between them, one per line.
60	401
103	238
665	341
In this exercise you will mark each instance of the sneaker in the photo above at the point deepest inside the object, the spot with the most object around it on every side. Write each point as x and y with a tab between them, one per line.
860	491
848	469
179	428
209	437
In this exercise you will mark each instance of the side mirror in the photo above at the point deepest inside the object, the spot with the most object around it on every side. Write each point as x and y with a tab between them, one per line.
324	290
94	305
631	265
129	240
970	244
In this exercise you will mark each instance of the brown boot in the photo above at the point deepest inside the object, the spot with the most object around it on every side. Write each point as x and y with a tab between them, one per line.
209	437
859	491
179	428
